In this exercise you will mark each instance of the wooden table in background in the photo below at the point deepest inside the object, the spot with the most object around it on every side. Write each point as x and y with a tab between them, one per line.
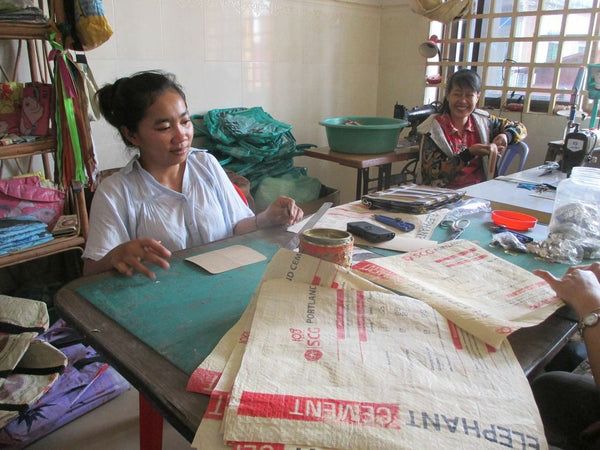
363	162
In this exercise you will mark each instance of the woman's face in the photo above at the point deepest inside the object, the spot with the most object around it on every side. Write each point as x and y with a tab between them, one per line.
462	101
164	136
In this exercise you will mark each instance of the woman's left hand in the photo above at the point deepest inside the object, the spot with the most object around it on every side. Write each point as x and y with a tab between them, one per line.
284	211
483	149
501	142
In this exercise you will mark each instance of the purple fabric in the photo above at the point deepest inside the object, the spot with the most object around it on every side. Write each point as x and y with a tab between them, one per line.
77	391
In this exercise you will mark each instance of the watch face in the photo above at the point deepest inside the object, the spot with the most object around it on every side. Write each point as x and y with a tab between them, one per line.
590	320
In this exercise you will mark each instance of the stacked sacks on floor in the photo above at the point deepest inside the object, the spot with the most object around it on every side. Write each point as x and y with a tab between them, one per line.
28	367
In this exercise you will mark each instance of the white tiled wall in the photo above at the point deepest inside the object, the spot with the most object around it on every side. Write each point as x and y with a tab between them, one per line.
301	60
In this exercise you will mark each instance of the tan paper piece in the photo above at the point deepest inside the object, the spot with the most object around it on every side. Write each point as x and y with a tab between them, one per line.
228	258
481	293
349	369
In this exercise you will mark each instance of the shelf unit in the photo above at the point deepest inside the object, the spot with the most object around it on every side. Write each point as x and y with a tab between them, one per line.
44	148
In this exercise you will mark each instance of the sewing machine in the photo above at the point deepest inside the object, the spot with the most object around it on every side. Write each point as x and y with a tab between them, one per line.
415	116
581	148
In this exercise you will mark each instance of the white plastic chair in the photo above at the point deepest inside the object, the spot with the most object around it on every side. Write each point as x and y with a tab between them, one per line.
519	149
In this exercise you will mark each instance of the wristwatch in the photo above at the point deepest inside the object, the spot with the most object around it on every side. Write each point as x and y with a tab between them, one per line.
589	320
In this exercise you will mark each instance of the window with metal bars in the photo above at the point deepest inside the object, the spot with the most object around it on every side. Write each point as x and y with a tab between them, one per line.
527	52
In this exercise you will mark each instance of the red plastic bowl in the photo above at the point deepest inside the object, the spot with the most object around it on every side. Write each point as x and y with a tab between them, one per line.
514	220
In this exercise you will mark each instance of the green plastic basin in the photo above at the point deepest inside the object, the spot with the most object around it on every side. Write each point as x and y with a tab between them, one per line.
363	134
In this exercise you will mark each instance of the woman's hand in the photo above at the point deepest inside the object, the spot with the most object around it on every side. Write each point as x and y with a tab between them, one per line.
283	211
130	257
482	149
501	142
579	287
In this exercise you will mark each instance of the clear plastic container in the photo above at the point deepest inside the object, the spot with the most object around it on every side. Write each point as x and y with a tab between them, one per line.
576	216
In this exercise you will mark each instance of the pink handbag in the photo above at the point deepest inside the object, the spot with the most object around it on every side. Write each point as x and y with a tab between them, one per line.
25	197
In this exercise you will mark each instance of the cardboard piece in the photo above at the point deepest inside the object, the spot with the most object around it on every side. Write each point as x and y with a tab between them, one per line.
228	258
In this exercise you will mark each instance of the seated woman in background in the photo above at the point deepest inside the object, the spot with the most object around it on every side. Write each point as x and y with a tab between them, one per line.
569	403
460	145
170	196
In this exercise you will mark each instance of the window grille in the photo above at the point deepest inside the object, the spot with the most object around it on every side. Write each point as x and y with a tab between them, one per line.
527	52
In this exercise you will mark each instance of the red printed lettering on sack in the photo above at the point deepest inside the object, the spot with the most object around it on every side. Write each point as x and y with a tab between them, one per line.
465	257
467	261
455	333
312	341
418	254
361	322
546	301
297	335
216	405
527	288
203	381
340	315
256	446
244	337
454	256
375	270
313	409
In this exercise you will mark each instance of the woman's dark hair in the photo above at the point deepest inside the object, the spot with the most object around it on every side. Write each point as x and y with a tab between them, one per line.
125	102
464	79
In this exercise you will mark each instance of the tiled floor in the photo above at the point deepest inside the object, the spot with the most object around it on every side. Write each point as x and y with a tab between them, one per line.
113	425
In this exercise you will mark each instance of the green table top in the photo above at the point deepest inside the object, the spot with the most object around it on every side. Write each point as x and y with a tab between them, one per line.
480	231
186	310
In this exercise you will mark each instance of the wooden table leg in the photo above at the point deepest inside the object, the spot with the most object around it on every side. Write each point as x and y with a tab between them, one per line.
365	182
151	426
384	175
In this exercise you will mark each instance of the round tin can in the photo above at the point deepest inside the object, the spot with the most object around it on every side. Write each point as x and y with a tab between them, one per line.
328	244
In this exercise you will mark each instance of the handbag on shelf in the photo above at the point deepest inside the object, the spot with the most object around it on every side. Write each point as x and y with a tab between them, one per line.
36	109
11	97
25	196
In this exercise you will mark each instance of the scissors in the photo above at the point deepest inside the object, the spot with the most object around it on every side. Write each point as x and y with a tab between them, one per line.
457	227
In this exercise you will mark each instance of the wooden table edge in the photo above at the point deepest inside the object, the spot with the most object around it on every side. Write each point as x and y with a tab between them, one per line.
116	344
359	160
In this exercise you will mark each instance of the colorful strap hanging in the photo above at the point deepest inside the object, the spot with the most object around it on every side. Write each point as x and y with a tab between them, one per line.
70	167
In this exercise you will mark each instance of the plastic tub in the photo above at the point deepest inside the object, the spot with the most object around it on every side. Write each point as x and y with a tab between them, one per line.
514	220
363	134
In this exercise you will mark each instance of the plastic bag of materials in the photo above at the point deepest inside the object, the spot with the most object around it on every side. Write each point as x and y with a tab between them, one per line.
573	234
253	125
296	185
